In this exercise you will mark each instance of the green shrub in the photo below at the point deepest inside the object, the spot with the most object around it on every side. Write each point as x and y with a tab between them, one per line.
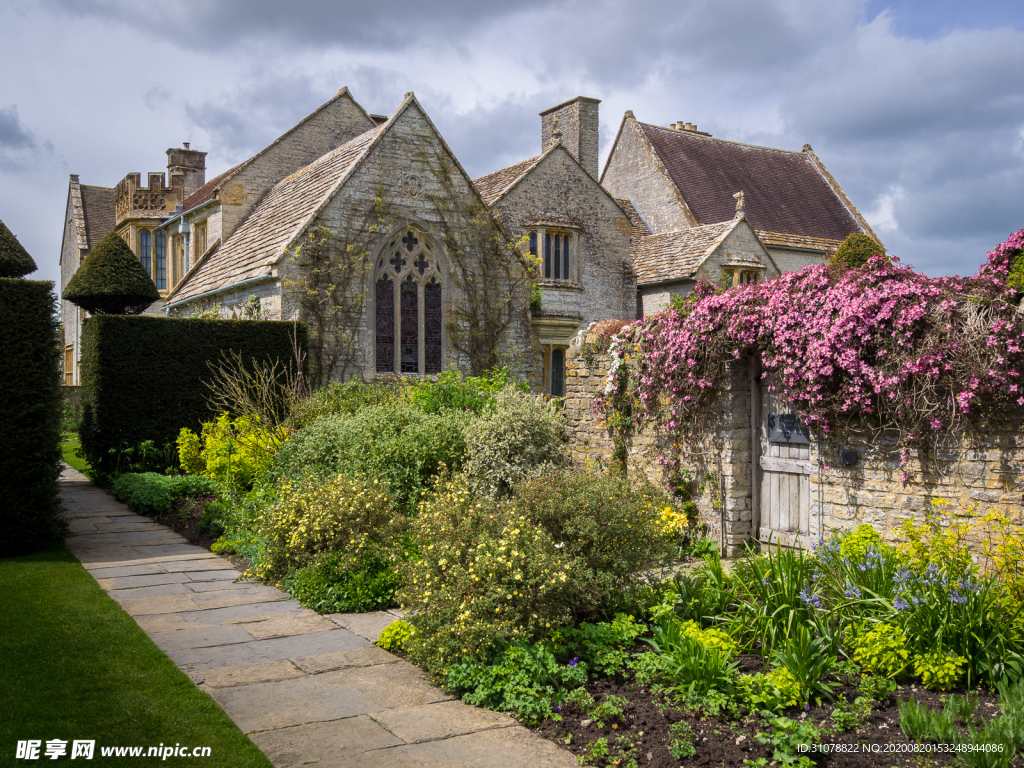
939	671
602	647
149	493
1015	279
454	392
111	280
486	576
15	261
809	660
349	516
882	651
341	399
772	692
232	451
854	252
606	526
334	584
524	680
30	408
144	378
520	437
394	636
396	443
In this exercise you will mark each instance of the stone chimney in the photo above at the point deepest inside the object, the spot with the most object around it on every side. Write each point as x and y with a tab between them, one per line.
577	122
190	164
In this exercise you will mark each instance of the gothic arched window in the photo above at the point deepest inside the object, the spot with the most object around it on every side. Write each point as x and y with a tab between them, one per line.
408	308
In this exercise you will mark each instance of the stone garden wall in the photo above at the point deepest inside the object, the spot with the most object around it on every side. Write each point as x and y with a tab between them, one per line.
974	473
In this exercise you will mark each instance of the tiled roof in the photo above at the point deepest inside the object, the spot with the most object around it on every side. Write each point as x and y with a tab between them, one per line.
208	190
263	237
796	241
494	185
98	212
785	191
675	255
640	228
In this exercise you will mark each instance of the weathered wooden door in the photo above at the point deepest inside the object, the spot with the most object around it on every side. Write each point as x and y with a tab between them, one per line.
782	474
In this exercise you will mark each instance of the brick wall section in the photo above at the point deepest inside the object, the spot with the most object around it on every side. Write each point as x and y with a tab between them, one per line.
558	191
632	172
983	473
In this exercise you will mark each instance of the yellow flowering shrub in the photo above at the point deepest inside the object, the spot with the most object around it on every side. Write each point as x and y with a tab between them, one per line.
673	522
231	451
486	576
855	544
941	539
313	516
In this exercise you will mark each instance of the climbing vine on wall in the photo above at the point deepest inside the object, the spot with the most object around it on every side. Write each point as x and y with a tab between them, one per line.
877	347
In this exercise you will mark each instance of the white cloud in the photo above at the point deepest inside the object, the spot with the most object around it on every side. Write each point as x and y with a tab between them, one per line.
883	216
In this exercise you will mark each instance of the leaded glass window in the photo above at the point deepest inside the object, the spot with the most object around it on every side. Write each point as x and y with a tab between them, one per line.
409	325
556	262
161	260
557	373
144	251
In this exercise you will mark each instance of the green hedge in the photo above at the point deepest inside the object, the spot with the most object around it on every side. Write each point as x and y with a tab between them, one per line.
143	377
30	513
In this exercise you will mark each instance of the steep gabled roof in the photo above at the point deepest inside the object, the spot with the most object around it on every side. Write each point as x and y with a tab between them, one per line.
209	189
676	255
786	192
493	186
640	228
97	212
281	216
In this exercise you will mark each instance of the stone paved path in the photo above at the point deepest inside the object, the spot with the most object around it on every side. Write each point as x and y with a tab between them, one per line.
307	689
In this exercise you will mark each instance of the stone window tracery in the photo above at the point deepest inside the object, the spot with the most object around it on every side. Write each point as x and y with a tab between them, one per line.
408	306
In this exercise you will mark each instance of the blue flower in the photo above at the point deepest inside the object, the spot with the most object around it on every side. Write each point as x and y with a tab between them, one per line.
853	591
900	604
809	598
574	661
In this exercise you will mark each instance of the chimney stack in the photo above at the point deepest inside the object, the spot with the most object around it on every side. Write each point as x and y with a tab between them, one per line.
188	163
577	123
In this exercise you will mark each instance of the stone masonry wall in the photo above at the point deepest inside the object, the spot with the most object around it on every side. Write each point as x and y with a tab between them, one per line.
975	474
632	172
722	475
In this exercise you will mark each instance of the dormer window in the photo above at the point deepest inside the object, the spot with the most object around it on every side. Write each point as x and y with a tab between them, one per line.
557	257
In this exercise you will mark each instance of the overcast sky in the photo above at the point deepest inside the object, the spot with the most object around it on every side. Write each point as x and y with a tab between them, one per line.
917	108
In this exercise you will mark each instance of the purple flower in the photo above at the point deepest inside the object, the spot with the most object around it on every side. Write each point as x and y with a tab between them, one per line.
574	661
900	604
810	598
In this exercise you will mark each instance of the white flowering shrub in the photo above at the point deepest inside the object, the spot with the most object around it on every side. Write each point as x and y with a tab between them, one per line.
522	436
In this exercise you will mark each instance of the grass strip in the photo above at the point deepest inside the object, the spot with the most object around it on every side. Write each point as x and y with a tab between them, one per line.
74	665
69	446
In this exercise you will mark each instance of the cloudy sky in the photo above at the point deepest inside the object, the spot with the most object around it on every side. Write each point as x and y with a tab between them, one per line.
916	106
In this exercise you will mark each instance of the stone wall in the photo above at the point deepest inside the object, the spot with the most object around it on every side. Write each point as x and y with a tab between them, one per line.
976	474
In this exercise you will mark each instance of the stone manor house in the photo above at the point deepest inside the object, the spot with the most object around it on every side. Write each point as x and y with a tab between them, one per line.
672	205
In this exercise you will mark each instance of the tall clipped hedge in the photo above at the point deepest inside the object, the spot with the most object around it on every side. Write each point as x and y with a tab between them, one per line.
30	512
143	377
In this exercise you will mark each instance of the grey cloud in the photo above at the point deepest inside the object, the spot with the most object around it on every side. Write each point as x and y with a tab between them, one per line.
19	147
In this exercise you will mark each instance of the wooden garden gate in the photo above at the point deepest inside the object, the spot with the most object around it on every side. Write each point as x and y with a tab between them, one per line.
781	488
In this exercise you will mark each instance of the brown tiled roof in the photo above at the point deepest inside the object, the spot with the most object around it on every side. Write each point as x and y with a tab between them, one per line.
494	185
269	230
796	241
675	255
208	190
785	192
98	212
640	228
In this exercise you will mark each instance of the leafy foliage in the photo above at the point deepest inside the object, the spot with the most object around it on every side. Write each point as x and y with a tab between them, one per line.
129	364
149	493
521	436
394	636
15	261
854	252
111	281
231	451
334	583
30	514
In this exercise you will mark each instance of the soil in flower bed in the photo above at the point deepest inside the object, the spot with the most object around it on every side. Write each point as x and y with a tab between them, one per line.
720	742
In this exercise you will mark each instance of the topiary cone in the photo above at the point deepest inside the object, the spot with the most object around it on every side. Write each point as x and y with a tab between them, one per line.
15	261
111	281
854	252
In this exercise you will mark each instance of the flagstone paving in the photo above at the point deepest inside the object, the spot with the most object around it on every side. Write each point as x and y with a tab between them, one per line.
307	689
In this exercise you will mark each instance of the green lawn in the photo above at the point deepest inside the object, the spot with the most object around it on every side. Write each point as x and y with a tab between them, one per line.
69	447
73	665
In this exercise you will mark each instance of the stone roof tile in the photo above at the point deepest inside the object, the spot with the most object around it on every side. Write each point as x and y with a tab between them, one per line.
268	231
494	185
640	228
98	212
675	255
785	192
